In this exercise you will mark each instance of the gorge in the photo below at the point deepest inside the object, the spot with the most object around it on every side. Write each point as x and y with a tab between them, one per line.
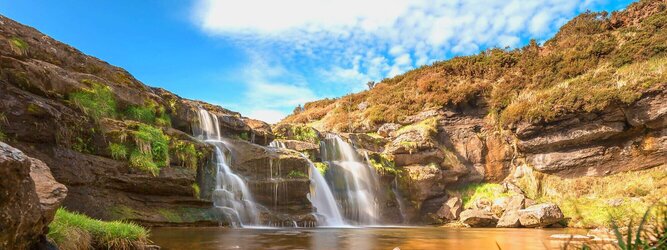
568	134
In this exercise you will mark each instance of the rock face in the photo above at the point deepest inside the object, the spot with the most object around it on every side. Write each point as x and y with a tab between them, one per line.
451	209
30	197
540	215
39	115
478	218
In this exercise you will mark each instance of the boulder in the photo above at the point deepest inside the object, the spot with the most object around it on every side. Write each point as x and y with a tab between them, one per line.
29	199
387	129
540	215
50	192
478	218
510	217
451	209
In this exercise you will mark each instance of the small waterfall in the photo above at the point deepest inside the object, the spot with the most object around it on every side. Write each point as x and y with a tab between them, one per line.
320	194
231	194
353	182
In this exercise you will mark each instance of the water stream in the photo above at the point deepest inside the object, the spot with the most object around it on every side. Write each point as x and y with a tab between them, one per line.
353	181
320	194
231	195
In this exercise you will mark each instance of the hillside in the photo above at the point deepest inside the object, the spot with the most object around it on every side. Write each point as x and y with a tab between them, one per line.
596	60
580	121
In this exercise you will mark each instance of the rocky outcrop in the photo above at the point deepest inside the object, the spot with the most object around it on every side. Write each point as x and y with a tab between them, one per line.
478	218
39	114
451	209
30	198
540	215
510	216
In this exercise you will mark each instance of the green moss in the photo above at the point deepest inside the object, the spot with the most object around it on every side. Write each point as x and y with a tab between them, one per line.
105	235
153	141
123	212
479	191
195	190
18	43
322	167
426	127
34	109
170	215
118	151
244	136
97	101
304	133
297	174
384	165
3	137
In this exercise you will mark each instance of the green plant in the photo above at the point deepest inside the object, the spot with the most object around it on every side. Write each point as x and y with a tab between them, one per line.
18	45
322	167
480	191
150	113
143	162
97	101
304	133
151	140
69	226
244	136
195	190
297	174
186	154
118	151
384	165
3	137
82	145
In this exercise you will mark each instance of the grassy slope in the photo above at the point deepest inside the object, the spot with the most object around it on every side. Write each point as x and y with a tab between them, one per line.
614	57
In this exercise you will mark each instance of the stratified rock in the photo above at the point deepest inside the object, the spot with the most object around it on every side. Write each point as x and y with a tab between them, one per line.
540	215
367	142
25	212
451	209
387	129
422	182
478	218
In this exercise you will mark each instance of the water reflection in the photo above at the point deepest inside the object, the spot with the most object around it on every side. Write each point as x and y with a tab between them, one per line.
356	238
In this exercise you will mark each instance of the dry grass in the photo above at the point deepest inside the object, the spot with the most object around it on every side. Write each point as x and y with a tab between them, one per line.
597	201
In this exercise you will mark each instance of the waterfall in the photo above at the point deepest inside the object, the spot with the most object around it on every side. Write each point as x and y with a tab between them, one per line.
320	194
231	194
353	181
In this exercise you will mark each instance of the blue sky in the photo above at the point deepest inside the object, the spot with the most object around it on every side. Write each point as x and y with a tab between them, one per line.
264	57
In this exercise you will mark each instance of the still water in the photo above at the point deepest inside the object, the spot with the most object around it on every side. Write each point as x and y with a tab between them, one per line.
356	238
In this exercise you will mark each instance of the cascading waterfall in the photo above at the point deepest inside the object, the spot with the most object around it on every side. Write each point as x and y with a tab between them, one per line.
320	194
353	182
231	194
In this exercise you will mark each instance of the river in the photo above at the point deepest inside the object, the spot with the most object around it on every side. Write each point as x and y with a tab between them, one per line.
356	238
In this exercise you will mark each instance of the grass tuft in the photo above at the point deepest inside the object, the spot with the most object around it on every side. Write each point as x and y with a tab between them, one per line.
97	101
294	174
118	151
71	230
479	191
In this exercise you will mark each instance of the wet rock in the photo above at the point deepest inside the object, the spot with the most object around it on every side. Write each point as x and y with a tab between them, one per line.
451	209
540	215
388	129
478	218
564	137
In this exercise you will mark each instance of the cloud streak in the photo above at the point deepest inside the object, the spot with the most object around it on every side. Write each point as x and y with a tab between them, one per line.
345	43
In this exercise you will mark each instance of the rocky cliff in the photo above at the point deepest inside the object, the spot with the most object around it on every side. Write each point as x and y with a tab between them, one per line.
591	102
123	149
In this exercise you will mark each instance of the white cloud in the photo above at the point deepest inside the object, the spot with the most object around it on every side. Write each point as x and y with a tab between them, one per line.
350	42
267	96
